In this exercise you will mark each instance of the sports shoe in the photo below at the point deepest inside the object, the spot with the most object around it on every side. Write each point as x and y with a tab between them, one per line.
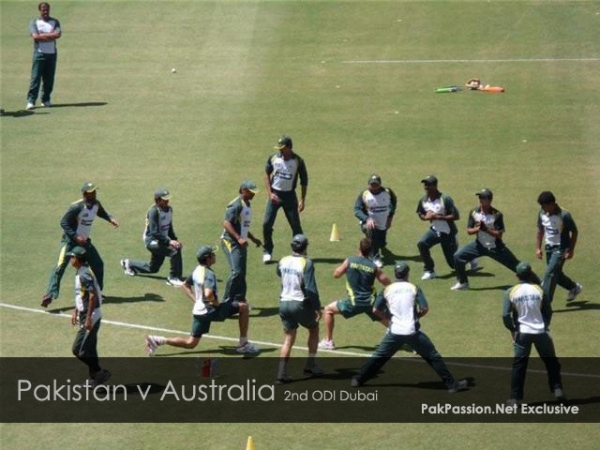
101	377
428	275
378	262
29	106
46	300
314	371
513	402
460	385
327	345
355	382
284	380
574	292
47	104
474	264
267	258
127	268
151	345
176	282
560	395
460	287
248	347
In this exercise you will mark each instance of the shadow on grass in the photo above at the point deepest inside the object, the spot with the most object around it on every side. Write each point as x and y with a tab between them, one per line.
18	114
328	260
390	257
264	312
226	351
149	297
578	306
77	105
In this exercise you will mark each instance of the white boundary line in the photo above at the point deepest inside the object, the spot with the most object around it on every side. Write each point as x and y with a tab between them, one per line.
270	344
450	61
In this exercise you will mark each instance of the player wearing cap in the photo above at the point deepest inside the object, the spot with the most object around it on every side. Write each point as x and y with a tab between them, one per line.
234	240
77	226
439	210
281	177
527	313
201	288
487	223
87	316
361	274
406	304
299	305
161	241
375	208
557	230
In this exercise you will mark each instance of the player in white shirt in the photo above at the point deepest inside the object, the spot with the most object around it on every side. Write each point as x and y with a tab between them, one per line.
527	313
406	304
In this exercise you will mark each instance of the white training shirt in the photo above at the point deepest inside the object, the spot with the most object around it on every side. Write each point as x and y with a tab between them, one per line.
245	220
553	226
85	219
282	178
527	300
401	298
378	207
485	239
292	278
438	207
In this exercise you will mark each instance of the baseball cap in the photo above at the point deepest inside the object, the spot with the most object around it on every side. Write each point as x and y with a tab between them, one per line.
523	268
284	141
249	185
78	252
374	179
205	251
162	193
401	268
484	193
88	187
430	179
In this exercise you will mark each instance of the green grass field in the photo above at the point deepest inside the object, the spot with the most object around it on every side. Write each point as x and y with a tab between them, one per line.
353	83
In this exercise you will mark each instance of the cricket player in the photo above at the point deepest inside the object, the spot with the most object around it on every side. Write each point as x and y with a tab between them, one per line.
375	208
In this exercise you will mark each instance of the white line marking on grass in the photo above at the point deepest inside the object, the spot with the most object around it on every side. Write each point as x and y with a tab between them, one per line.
271	344
450	61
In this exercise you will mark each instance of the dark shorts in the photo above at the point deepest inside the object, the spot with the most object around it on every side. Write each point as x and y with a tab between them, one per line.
201	324
349	309
293	314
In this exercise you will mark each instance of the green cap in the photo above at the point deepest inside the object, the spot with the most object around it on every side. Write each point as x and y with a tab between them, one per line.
249	186
162	193
204	251
78	252
430	179
374	179
88	187
284	141
484	193
523	268
401	269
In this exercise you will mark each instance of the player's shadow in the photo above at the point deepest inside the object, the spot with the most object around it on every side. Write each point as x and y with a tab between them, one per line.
18	114
78	105
264	312
134	389
390	257
148	297
502	287
578	306
60	310
222	350
328	260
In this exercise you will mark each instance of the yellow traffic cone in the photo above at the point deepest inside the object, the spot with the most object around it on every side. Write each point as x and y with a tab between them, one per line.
250	443
335	234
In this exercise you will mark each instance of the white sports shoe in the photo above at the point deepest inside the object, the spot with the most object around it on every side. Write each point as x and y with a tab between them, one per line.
327	345
267	257
151	345
428	275
126	268
29	106
475	264
573	293
248	347
175	282
47	104
460	287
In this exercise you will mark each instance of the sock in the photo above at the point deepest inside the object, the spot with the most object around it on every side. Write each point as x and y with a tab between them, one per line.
310	361
282	372
243	340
